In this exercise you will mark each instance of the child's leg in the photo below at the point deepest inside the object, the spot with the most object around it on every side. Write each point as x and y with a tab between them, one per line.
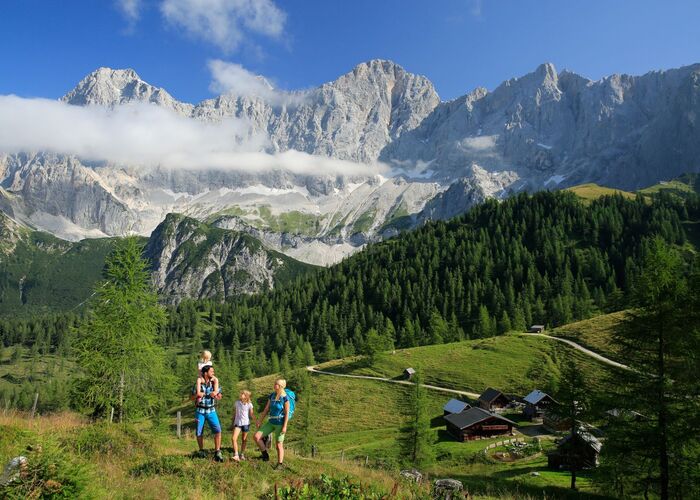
244	441
216	385
234	440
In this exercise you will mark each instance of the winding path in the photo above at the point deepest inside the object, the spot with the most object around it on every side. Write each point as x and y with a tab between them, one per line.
580	348
473	395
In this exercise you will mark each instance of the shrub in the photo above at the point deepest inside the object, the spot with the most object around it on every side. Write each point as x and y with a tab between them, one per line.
50	472
107	439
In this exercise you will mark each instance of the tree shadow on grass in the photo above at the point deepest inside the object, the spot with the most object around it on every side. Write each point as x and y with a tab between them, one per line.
496	484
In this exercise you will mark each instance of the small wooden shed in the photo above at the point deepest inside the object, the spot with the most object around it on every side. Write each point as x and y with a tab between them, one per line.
537	403
493	399
408	373
580	451
536	329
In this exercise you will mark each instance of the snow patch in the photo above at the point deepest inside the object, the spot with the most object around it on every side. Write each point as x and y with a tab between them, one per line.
544	146
556	179
62	227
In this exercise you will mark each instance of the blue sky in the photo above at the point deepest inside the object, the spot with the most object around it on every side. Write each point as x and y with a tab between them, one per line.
47	46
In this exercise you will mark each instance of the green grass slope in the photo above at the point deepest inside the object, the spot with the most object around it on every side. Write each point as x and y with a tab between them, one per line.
591	191
594	333
511	363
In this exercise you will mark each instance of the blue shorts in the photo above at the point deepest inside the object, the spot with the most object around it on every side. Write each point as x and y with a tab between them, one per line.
211	418
243	428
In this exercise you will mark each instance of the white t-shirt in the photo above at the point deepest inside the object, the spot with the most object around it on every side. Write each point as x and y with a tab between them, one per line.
242	413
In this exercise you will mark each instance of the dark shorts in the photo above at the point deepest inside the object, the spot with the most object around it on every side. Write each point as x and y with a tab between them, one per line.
243	428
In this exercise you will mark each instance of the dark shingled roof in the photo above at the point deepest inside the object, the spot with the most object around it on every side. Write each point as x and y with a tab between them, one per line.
490	394
473	416
455	406
584	436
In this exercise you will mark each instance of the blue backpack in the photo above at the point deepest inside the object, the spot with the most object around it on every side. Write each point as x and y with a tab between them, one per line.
292	403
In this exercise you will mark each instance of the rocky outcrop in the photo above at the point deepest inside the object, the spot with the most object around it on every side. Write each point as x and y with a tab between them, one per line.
192	259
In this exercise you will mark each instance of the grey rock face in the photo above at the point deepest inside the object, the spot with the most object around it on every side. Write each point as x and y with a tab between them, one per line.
108	87
351	118
191	259
622	131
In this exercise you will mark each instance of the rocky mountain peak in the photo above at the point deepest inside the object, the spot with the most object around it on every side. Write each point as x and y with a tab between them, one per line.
110	87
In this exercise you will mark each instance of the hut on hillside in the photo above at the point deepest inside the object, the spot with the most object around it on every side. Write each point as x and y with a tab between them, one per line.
536	329
493	400
455	406
477	423
537	403
408	373
578	451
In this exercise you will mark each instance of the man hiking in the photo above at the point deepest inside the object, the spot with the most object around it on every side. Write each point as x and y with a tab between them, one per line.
206	411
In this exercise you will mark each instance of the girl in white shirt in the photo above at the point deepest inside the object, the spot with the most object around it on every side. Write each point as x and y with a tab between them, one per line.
242	416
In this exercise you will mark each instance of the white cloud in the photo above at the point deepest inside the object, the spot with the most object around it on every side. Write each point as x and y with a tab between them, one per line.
225	22
141	134
130	8
234	79
479	143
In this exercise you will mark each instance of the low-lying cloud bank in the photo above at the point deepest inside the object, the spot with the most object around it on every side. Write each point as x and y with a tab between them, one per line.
141	134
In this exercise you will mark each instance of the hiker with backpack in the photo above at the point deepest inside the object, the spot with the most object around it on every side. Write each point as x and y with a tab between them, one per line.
280	406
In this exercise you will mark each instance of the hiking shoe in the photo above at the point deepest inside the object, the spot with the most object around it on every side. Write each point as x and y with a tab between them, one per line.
218	456
236	458
279	466
242	457
201	454
265	456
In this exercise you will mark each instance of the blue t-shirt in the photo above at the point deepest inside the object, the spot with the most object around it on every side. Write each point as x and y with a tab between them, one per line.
277	408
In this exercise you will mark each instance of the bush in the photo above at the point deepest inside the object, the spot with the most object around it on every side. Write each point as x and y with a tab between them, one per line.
50	472
109	439
327	487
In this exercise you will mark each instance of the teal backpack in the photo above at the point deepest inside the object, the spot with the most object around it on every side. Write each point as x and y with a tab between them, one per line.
292	403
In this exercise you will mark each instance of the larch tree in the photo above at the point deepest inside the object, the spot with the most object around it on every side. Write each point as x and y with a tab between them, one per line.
122	365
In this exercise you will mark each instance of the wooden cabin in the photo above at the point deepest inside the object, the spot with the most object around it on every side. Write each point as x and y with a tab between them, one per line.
493	400
578	452
477	423
455	406
536	329
536	404
408	373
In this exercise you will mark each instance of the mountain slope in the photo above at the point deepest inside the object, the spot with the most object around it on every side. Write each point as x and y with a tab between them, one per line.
41	273
193	260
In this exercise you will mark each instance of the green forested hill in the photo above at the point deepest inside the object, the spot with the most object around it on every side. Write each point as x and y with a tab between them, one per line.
545	258
40	273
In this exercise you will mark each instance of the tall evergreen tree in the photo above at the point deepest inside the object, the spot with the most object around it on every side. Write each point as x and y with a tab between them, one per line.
654	438
122	366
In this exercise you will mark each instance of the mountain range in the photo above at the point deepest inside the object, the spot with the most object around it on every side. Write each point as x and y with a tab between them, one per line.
544	130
